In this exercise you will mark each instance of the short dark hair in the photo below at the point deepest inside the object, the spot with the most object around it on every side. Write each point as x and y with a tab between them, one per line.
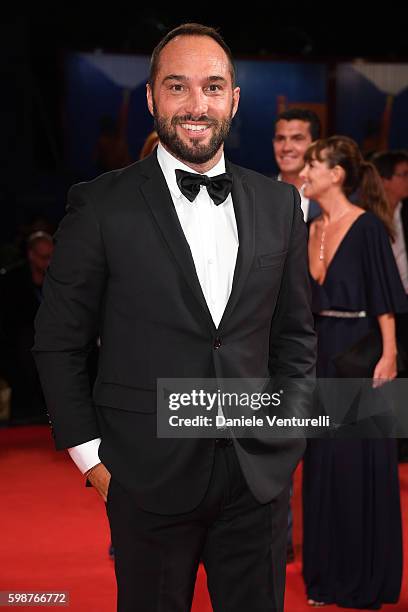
302	114
189	29
387	161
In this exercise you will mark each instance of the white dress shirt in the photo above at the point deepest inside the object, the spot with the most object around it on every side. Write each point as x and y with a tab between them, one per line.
399	247
212	235
304	202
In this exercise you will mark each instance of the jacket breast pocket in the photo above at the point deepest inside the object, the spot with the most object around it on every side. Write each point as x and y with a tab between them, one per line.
271	260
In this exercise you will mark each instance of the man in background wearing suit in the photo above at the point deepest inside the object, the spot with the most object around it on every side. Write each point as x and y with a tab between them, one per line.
392	166
295	130
186	266
393	169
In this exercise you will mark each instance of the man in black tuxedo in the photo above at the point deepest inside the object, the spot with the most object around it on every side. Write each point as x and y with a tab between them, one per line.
295	130
186	266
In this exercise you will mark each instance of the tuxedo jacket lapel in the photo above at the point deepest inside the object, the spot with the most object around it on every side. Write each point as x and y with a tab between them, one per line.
243	201
157	196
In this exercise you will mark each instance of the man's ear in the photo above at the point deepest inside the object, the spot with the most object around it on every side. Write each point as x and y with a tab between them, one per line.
149	97
235	100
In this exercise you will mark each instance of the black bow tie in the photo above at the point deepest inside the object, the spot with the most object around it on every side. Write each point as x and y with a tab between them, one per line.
218	187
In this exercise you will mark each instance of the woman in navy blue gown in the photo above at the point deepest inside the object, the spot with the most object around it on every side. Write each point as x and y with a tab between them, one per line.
352	550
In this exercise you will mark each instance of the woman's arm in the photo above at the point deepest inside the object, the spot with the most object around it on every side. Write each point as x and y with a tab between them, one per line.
386	368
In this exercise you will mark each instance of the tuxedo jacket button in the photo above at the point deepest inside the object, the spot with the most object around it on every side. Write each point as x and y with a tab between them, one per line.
217	343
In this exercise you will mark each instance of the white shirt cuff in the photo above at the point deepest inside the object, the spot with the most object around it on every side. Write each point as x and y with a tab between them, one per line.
85	455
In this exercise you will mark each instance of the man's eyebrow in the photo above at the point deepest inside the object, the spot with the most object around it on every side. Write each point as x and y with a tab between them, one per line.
182	77
297	135
216	78
175	77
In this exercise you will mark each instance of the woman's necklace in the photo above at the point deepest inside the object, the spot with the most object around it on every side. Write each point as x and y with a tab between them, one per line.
321	250
323	235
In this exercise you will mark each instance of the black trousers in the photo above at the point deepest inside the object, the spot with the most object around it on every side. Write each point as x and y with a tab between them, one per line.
242	544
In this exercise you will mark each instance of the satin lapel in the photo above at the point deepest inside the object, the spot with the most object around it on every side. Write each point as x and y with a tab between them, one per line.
243	199
158	198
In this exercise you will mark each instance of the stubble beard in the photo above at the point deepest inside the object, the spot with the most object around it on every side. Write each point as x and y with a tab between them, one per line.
195	153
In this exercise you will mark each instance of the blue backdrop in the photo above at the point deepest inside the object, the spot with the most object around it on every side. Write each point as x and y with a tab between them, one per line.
363	102
95	85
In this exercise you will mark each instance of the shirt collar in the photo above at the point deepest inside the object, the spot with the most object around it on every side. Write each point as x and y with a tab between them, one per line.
169	164
397	209
303	197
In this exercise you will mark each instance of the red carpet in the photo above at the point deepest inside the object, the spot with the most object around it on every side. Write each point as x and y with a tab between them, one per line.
55	535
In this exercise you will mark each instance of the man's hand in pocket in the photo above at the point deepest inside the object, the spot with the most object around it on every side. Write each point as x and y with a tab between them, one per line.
99	477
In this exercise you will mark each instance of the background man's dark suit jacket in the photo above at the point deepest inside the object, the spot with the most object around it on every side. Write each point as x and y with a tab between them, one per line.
402	319
122	268
314	211
314	208
404	217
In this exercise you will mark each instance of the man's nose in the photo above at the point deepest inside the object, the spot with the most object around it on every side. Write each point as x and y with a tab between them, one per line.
197	103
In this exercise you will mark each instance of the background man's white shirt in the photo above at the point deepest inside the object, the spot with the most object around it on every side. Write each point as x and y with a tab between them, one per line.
399	247
304	202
